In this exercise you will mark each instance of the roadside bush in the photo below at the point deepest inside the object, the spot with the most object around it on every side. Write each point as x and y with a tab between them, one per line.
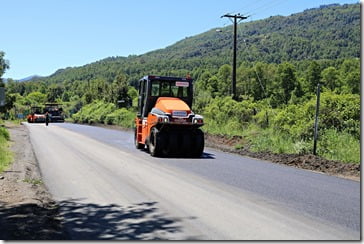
271	140
4	133
5	155
296	120
226	114
339	112
105	113
122	117
341	146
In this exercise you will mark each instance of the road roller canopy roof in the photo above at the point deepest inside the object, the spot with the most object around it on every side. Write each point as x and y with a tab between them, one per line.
152	87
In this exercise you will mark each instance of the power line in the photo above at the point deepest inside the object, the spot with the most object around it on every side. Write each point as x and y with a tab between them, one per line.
257	74
267	7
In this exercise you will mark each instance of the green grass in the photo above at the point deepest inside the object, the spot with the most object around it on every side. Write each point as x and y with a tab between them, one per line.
340	146
6	156
333	145
270	140
33	181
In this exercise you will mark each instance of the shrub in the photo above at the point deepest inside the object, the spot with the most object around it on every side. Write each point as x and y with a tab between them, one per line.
4	133
341	146
5	155
106	113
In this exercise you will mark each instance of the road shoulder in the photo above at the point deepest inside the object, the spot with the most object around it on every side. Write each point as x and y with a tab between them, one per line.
27	210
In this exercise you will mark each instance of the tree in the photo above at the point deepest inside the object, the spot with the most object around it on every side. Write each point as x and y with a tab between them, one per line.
4	65
201	83
224	80
349	74
54	92
119	91
313	76
213	86
330	78
259	81
285	83
36	98
353	82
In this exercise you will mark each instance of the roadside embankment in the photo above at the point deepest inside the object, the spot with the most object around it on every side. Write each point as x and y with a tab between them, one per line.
27	211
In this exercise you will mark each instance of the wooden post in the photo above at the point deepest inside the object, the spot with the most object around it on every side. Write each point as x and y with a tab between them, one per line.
316	119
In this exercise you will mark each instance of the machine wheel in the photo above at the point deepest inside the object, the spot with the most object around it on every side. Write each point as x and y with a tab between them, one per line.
154	143
199	144
137	144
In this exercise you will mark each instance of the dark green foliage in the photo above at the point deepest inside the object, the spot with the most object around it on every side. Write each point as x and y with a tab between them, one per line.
4	133
313	76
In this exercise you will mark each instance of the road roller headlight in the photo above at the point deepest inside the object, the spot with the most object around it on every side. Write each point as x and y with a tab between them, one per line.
163	119
198	121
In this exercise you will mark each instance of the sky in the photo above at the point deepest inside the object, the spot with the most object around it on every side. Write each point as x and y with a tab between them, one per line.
41	36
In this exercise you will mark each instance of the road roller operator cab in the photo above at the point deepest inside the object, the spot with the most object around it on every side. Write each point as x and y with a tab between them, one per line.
165	123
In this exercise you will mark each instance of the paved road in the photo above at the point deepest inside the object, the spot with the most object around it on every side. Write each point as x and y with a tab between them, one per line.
109	190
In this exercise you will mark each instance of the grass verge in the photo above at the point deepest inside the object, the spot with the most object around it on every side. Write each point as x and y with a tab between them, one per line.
6	156
332	145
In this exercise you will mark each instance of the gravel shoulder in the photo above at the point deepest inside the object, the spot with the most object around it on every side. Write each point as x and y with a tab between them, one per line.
27	211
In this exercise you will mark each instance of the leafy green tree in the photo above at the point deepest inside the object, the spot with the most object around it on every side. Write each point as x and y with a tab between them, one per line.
224	80
213	86
10	100
119	91
259	80
4	64
202	82
36	98
98	88
330	78
313	76
349	74
353	82
285	83
54	92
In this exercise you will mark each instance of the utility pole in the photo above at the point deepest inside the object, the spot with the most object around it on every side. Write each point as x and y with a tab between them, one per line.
236	17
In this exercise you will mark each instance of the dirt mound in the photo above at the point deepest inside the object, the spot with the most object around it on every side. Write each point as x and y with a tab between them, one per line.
308	161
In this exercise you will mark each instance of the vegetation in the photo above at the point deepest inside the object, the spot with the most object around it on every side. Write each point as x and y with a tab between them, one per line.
32	181
281	61
105	113
5	155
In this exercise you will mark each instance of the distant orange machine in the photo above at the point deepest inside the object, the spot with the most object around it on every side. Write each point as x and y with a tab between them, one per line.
36	115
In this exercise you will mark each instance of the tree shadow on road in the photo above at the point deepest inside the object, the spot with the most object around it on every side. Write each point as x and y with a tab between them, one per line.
77	220
30	221
113	222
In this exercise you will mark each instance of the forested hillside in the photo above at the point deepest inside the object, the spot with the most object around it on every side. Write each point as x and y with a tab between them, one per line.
281	60
330	32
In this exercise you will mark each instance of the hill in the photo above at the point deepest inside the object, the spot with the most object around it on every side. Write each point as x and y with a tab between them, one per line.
328	32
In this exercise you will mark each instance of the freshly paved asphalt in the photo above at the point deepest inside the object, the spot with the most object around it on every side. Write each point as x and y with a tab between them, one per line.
300	196
326	197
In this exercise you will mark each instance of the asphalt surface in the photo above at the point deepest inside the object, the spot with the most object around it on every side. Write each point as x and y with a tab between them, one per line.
219	196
